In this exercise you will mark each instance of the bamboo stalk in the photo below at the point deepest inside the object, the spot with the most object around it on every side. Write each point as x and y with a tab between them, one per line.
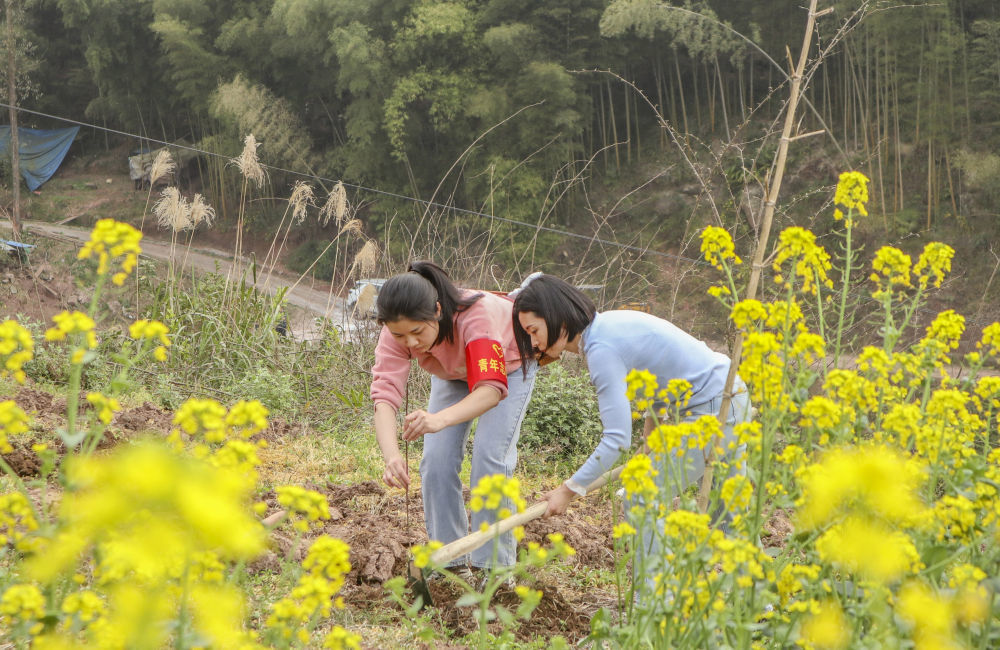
765	231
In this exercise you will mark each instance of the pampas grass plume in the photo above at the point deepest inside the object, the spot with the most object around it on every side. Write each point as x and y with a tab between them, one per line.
201	212
366	259
352	226
172	210
248	164
302	197
336	205
162	165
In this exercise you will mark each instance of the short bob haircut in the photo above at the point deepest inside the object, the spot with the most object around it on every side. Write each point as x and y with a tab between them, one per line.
561	305
416	294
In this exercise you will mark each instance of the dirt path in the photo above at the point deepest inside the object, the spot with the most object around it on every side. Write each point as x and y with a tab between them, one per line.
312	305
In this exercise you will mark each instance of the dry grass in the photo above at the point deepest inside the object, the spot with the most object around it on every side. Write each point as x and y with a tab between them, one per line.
336	205
367	259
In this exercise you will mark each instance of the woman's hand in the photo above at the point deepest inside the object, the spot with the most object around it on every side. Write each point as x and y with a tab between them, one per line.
396	474
420	422
558	499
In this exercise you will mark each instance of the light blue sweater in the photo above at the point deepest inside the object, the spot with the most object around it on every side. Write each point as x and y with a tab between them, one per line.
617	342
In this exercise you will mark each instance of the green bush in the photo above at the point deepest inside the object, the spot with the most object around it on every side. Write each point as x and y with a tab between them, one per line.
562	422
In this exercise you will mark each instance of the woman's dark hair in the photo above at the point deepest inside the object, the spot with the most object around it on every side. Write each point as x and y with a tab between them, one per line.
416	294
561	305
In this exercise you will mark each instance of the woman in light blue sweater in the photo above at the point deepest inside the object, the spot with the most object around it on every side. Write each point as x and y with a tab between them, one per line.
551	316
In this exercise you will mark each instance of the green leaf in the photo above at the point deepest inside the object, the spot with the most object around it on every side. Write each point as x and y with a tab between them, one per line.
469	599
71	441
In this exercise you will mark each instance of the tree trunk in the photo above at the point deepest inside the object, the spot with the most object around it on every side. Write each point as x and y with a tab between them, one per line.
680	90
614	128
15	154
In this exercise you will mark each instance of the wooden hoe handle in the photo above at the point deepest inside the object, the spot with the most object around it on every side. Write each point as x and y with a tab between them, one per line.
469	543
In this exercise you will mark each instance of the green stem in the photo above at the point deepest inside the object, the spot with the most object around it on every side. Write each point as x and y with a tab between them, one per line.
845	285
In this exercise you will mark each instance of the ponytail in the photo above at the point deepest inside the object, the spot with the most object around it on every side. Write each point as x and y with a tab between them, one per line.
415	295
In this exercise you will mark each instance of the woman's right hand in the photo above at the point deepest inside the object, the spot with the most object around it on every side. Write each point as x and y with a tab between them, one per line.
396	474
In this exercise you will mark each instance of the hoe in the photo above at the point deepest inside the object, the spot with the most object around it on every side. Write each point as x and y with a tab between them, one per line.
469	543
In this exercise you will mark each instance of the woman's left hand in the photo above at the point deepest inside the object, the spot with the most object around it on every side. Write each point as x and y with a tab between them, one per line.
420	422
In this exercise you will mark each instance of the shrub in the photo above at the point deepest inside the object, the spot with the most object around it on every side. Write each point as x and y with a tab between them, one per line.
562	421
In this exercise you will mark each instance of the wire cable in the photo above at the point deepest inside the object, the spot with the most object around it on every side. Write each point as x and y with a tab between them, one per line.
432	204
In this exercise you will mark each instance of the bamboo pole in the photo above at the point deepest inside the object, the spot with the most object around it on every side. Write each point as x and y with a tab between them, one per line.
15	154
765	231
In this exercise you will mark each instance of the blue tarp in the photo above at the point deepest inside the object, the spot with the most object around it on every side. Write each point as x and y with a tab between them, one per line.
42	151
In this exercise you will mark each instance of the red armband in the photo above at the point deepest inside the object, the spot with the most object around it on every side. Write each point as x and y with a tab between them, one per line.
484	360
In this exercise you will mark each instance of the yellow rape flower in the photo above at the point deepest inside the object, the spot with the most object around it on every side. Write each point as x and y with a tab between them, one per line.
12	422
746	313
308	503
821	412
16	349
640	387
935	260
144	493
110	241
152	330
988	392
811	260
868	549
903	421
422	553
17	519
929	613
493	490
637	476
329	558
990	341
677	392
736	492
893	265
202	417
86	605
852	192
559	546
955	517
718	291
717	246
105	407
947	328
22	603
341	639
69	323
809	347
793	578
825	629
218	612
691	529
623	529
783	313
872	480
246	418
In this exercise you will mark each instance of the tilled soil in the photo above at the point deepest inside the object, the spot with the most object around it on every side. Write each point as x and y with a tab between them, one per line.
372	520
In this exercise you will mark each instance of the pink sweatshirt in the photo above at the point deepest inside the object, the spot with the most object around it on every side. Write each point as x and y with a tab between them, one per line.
488	318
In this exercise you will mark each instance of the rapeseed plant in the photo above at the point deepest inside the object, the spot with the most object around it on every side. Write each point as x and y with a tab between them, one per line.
888	460
147	544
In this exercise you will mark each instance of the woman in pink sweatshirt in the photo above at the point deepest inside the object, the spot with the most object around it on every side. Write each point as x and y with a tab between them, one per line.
466	341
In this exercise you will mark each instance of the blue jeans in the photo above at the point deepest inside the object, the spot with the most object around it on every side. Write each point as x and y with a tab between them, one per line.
687	468
494	451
